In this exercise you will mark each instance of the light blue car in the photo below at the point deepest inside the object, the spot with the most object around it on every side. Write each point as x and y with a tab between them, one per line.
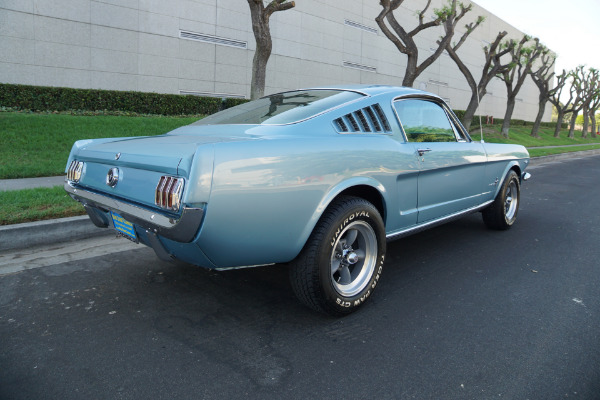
319	178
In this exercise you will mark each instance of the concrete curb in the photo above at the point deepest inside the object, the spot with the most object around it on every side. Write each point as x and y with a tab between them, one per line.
65	229
563	156
38	233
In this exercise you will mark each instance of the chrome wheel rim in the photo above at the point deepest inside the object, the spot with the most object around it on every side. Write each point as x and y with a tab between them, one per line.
353	258
511	201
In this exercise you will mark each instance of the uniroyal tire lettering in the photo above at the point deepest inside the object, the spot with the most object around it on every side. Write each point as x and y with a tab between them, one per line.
346	221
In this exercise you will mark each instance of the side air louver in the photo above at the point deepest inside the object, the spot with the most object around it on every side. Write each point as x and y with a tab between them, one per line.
368	119
381	115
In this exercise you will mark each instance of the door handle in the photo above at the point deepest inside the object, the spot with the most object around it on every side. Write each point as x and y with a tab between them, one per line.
423	151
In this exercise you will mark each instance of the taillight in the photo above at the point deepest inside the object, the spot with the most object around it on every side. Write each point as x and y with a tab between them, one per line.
75	170
168	193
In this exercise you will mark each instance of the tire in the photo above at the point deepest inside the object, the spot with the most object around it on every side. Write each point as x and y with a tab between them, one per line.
502	213
341	263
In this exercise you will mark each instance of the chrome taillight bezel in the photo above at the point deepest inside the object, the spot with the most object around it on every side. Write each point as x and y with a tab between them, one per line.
75	171
168	192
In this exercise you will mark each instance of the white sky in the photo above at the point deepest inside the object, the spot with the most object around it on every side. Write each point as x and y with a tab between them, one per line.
570	28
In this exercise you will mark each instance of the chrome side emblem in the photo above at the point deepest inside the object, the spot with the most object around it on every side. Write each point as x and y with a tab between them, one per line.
117	156
112	177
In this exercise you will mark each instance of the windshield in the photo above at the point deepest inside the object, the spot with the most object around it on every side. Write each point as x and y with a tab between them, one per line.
281	108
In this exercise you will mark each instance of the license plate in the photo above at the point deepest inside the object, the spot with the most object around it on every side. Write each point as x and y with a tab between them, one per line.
123	227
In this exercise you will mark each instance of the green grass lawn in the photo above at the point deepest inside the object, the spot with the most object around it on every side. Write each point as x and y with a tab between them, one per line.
37	204
522	135
39	144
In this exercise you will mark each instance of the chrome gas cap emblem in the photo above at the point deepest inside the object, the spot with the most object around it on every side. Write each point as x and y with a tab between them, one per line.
112	177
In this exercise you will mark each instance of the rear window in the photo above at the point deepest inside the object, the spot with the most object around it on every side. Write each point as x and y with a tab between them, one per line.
281	108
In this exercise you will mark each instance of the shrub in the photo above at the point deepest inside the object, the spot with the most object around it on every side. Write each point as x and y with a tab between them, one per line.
44	98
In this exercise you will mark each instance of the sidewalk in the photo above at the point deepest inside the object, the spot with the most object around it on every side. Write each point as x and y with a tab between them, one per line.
31	183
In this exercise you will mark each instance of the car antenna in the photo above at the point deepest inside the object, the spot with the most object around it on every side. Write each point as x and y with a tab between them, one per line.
480	126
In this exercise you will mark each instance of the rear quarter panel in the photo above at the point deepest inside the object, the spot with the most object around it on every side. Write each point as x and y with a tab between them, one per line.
267	195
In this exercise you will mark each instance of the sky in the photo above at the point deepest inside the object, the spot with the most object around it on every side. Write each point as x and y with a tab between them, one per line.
570	28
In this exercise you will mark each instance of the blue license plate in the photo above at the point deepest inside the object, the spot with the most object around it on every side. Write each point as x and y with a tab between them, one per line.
123	227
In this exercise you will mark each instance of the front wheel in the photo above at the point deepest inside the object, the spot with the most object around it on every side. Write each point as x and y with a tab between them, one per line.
342	261
502	213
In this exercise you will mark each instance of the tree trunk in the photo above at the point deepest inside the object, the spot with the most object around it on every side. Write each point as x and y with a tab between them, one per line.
586	125
410	74
559	122
572	126
510	107
262	34
467	119
259	67
538	120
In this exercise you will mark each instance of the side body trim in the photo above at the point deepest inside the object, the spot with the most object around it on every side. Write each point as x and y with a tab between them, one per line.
436	222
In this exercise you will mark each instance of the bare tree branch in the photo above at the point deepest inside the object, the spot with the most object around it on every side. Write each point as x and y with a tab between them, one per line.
522	61
404	40
542	77
491	68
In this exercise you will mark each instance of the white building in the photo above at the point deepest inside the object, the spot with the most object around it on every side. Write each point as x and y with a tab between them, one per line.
206	47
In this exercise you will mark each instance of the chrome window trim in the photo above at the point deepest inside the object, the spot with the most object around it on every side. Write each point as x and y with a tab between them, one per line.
431	99
421	96
366	95
183	229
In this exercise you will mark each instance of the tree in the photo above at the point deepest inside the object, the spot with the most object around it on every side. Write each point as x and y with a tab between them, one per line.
262	34
594	105
542	77
578	77
523	58
404	41
554	98
592	90
492	67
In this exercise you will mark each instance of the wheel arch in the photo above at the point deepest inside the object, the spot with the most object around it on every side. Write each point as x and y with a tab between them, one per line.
512	166
363	187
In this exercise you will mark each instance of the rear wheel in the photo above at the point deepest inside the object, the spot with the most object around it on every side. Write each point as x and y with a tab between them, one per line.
502	213
342	261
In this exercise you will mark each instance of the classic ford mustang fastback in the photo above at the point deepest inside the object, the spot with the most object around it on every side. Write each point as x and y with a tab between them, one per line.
318	178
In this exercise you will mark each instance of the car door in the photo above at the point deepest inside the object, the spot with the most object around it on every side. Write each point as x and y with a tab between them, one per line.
452	167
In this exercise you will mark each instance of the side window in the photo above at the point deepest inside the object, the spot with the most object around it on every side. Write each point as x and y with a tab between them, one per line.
424	121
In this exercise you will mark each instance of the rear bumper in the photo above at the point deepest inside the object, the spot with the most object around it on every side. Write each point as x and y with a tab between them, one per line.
183	229
525	176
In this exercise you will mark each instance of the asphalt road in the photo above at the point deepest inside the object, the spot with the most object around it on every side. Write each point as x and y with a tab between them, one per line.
460	313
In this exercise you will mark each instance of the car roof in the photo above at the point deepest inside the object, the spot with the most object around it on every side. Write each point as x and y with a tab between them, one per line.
373	90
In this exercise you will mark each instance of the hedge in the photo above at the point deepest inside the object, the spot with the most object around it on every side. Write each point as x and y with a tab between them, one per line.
44	98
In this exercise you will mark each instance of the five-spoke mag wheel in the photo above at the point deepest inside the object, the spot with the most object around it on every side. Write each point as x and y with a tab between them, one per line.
353	258
342	260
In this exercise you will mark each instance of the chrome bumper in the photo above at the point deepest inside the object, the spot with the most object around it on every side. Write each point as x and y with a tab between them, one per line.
181	230
526	176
